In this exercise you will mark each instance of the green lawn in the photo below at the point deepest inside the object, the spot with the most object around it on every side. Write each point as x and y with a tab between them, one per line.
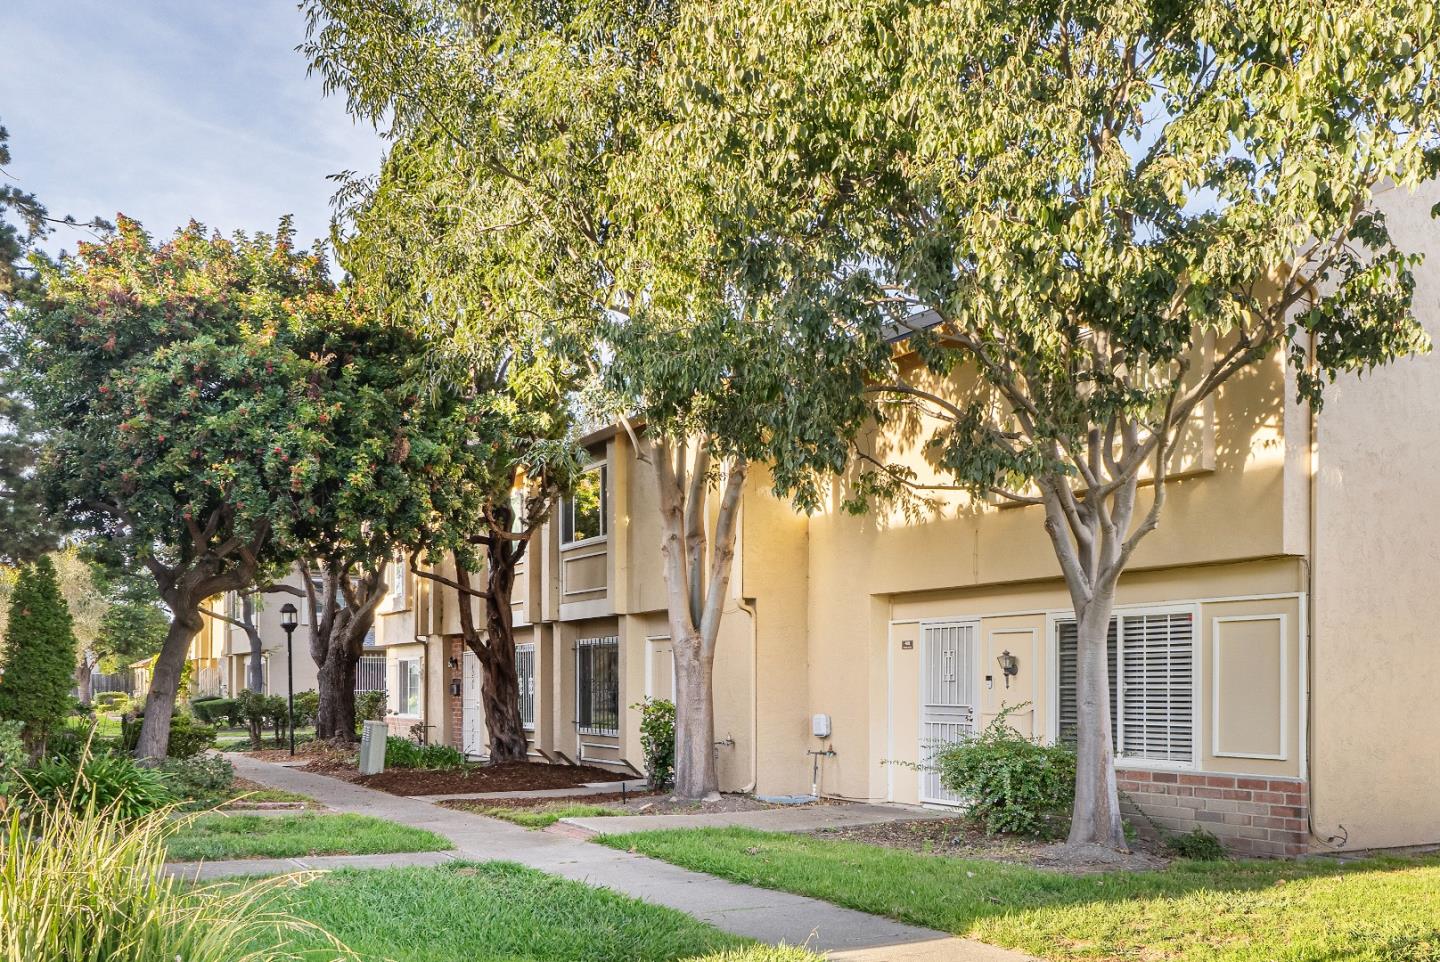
221	836
500	912
1383	910
542	816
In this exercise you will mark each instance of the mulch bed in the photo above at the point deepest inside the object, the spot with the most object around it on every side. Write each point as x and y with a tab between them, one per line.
505	777
631	803
957	838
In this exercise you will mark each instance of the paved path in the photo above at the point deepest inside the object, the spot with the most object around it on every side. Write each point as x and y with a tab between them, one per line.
774	917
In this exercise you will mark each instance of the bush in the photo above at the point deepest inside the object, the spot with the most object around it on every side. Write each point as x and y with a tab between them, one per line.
657	740
257	711
1012	783
1199	844
369	706
39	660
113	702
202	781
13	758
403	753
87	888
113	784
213	711
307	707
188	737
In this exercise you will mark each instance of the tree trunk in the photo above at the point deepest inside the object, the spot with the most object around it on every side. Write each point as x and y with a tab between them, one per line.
1095	819
154	740
84	676
695	773
255	670
335	720
499	679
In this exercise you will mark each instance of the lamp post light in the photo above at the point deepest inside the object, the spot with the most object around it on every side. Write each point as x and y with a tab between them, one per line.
288	621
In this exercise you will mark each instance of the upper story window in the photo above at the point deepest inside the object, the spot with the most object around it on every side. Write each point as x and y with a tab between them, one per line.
234	605
397	581
582	517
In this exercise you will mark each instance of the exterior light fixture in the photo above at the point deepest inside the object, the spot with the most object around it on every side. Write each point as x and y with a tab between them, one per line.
288	620
1009	665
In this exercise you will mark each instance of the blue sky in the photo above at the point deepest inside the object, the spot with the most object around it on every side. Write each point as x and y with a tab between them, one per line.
171	109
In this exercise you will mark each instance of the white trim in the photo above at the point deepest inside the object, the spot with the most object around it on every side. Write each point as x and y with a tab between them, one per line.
1302	669
1135	606
1215	622
571	545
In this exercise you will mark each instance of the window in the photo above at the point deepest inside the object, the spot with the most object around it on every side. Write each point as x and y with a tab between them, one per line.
397	581
409	700
597	686
1152	696
525	670
583	516
235	605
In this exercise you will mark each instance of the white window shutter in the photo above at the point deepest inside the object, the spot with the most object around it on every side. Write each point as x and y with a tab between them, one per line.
1069	677
1157	659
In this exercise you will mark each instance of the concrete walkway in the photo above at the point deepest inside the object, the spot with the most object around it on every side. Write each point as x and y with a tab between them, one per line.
761	914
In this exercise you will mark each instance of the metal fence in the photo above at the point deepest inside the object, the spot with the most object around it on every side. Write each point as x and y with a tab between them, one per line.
597	685
370	673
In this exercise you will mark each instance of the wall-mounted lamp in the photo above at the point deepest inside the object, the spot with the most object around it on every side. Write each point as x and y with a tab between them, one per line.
453	662
455	688
1009	665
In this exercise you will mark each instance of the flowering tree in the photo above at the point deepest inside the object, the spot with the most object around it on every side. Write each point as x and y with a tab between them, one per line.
179	421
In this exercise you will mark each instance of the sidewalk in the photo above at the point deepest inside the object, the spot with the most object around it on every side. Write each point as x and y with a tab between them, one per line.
773	917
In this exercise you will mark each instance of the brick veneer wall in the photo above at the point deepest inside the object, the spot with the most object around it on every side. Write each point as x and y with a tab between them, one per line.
1250	815
456	702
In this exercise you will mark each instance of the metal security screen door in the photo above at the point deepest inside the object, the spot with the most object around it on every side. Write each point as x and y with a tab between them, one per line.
472	720
949	692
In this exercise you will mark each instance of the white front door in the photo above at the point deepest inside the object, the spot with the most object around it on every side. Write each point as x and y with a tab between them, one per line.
472	717
949	694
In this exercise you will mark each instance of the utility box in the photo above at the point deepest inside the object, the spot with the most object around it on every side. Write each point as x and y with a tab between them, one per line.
372	747
820	726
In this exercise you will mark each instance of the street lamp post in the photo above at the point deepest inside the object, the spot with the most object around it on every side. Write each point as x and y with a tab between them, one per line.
288	621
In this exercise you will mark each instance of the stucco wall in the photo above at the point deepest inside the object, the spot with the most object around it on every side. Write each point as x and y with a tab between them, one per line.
1377	560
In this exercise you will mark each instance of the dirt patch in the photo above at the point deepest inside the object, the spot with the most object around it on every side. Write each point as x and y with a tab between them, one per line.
628	803
956	838
613	800
505	777
313	751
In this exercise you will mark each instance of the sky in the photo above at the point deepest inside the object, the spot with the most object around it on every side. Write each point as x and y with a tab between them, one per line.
167	110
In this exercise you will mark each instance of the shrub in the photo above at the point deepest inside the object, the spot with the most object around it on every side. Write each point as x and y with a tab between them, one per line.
1012	783
657	740
87	888
107	783
39	662
187	736
369	706
258	711
217	711
13	758
1198	844
113	702
403	753
202	781
307	706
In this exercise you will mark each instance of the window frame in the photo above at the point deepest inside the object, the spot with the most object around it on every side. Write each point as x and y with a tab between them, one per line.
397	583
567	510
402	687
1197	672
586	725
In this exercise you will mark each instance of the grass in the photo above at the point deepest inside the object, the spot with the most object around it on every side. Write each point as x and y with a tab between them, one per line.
501	912
222	836
543	816
247	791
1381	910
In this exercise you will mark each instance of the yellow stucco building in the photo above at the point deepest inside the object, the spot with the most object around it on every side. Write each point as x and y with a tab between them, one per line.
1275	639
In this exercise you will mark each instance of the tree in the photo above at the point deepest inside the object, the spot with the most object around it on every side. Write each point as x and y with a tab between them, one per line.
88	604
25	528
528	129
134	624
1093	219
492	432
181	426
39	655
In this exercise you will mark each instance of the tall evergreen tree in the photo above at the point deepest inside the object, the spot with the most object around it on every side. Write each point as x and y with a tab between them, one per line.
39	655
